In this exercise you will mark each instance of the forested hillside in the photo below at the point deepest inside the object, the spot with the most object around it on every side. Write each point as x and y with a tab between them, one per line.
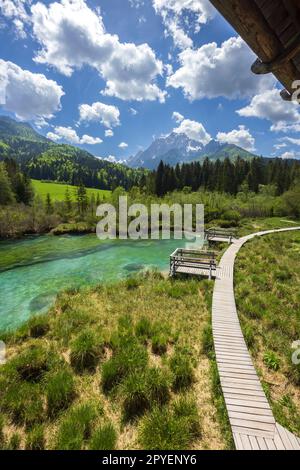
41	158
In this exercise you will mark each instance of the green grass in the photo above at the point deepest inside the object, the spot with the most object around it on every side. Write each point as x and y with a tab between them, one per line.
182	369
86	350
76	427
171	428
35	439
267	280
60	391
104	438
57	191
54	399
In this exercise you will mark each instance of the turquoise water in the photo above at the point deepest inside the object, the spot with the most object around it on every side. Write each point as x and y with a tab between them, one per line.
34	270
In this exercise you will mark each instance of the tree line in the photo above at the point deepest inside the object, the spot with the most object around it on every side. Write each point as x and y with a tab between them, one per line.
15	186
224	176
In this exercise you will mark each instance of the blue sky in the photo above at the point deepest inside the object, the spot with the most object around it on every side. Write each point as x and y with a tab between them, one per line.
111	75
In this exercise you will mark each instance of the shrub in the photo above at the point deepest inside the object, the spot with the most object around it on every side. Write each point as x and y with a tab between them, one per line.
143	328
159	344
271	361
182	369
38	326
170	428
104	438
129	357
85	351
76	427
232	215
60	391
35	439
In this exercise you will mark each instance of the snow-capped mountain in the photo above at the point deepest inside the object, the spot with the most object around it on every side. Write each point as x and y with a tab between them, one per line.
179	148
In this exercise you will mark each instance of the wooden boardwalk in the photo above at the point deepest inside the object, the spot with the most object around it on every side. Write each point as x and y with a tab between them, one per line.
251	418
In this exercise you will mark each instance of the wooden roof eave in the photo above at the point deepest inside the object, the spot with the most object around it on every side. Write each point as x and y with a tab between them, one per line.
249	22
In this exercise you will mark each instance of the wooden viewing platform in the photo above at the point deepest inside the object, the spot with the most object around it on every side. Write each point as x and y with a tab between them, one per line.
252	422
219	235
193	262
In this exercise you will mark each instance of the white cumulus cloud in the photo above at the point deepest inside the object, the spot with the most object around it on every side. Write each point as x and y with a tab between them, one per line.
180	17
70	135
177	117
30	96
212	71
109	133
16	11
123	145
284	116
241	137
72	35
105	114
291	140
288	155
194	130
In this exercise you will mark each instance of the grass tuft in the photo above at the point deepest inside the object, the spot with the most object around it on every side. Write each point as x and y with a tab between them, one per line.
60	391
159	344
86	350
76	427
129	357
35	439
182	369
171	428
143	390
104	438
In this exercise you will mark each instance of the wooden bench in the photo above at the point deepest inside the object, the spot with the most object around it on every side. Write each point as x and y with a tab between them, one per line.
193	262
214	234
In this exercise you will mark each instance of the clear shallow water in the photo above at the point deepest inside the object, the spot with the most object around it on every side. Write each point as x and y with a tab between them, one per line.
34	270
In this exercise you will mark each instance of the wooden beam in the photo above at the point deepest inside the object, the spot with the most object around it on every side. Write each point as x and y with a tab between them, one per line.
260	67
249	22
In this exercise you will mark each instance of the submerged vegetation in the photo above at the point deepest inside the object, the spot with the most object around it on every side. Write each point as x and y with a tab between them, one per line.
106	366
268	300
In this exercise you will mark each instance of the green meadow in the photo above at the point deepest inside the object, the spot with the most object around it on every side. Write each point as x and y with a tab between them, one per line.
57	191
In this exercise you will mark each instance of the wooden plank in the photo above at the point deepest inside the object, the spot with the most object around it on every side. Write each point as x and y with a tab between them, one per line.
246	442
251	417
270	444
278	442
239	391
262	444
284	437
252	432
254	443
238	441
258	411
247	403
